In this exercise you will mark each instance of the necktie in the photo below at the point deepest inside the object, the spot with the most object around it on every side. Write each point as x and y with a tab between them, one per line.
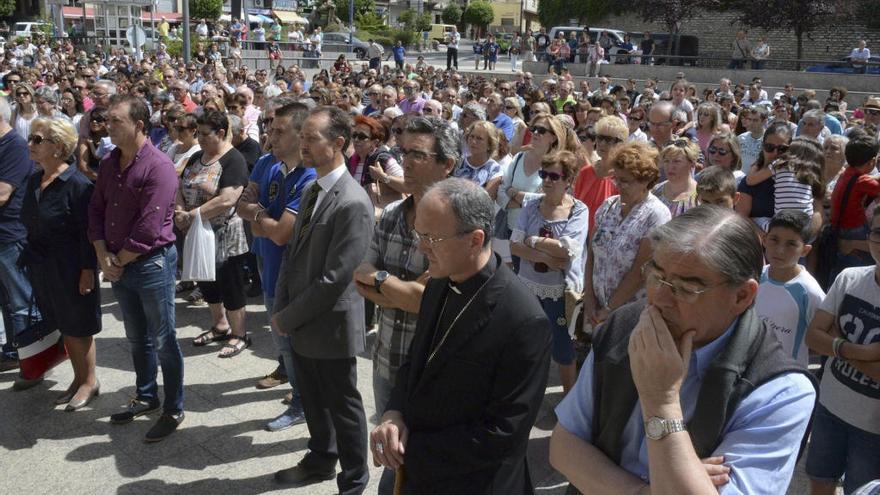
310	208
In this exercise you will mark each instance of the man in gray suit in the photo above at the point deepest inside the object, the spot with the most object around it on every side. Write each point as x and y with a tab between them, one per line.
316	304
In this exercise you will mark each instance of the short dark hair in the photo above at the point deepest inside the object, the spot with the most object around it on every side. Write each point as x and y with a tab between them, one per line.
339	123
216	120
297	111
138	111
795	220
861	148
446	140
716	180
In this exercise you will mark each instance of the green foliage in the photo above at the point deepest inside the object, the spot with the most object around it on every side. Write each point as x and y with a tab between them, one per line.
369	22
451	14
205	9
7	7
479	13
588	12
361	7
413	22
553	12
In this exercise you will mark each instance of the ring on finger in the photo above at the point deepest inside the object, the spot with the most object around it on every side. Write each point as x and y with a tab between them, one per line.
380	448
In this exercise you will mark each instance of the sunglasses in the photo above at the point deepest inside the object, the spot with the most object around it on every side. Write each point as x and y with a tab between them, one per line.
397	130
36	139
98	120
22	93
536	129
608	139
872	111
553	176
771	148
360	136
717	151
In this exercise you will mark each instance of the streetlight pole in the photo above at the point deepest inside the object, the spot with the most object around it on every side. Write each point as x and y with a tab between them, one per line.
186	48
350	24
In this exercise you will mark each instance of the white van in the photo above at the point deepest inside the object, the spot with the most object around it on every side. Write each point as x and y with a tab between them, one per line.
25	29
615	34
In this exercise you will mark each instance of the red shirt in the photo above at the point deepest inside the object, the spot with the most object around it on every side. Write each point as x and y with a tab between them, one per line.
865	189
592	190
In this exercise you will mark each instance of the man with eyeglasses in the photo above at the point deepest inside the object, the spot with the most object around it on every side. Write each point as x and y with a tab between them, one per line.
10	80
660	125
656	406
102	92
180	92
565	96
470	387
394	272
413	102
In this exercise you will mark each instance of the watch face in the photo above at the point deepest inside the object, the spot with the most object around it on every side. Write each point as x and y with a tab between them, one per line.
654	428
381	276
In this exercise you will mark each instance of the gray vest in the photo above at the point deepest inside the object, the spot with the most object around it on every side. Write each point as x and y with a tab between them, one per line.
752	357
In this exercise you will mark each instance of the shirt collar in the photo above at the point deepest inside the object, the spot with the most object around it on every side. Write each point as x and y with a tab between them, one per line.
473	284
67	173
703	356
328	181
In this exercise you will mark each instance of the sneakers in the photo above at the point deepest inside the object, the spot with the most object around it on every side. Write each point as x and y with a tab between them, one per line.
277	377
134	409
293	416
166	425
8	364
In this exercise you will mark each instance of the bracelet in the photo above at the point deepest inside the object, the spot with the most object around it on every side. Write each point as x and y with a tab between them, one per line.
836	345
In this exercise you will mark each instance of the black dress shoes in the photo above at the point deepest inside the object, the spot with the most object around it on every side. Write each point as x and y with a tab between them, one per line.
303	474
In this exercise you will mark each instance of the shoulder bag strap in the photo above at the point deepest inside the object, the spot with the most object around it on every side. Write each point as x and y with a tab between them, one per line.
849	187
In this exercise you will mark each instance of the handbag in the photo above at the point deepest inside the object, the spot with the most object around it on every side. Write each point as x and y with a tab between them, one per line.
827	243
501	228
39	348
199	251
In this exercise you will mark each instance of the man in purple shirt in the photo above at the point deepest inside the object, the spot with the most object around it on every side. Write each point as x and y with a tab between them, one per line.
130	225
413	102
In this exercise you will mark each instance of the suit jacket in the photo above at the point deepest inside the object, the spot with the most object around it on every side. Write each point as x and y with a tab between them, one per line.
469	411
316	303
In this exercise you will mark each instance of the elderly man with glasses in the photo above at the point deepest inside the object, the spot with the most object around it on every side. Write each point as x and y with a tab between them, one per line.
100	94
657	407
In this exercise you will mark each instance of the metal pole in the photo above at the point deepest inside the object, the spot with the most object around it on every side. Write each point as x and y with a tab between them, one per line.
186	48
153	8
350	24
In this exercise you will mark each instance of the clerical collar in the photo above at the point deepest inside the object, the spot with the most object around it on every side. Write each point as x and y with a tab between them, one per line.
472	284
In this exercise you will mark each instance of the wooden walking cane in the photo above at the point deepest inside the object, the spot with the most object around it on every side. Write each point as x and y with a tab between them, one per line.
398	481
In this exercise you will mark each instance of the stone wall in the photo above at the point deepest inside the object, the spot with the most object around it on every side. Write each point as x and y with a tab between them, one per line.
717	31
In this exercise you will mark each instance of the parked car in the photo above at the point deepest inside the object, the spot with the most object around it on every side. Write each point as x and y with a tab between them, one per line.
844	66
688	46
25	29
438	32
615	34
338	42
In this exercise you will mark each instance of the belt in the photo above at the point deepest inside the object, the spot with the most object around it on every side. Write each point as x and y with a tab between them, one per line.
153	252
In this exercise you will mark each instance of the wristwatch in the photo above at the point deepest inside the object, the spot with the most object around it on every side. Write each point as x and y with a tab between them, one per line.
381	277
657	428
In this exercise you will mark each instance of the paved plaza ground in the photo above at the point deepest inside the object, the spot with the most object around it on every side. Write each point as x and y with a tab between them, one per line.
222	446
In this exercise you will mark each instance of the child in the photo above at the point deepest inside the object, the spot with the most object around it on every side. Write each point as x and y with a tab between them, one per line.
788	295
717	186
750	141
797	177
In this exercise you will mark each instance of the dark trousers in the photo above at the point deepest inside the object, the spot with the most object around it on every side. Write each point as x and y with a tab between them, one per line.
375	63
451	58
335	418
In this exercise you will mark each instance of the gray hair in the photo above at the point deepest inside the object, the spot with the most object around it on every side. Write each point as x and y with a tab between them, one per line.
5	110
720	237
271	91
838	139
47	94
235	126
663	106
476	109
446	140
109	85
817	114
470	203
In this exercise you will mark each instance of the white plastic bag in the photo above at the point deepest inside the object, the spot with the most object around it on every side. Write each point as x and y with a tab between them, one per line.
198	251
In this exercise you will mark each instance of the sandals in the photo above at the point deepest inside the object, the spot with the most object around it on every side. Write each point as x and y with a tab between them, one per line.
242	344
212	335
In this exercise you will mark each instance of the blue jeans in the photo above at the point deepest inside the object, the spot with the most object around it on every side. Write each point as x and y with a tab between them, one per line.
282	343
15	295
563	350
838	448
146	297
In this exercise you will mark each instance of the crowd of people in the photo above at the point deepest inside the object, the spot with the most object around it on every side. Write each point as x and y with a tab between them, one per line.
483	227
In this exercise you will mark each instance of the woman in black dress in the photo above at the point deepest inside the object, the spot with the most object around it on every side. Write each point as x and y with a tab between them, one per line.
59	259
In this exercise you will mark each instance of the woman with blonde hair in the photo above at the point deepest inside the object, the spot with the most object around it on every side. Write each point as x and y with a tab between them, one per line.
59	258
594	183
709	123
25	110
724	151
480	167
679	191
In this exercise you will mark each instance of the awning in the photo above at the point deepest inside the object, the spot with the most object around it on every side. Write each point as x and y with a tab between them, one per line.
77	13
260	18
288	17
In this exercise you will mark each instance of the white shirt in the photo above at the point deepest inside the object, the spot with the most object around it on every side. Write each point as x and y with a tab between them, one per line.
454	38
788	308
857	54
327	182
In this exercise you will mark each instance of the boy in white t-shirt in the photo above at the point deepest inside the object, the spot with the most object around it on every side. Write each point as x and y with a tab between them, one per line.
788	295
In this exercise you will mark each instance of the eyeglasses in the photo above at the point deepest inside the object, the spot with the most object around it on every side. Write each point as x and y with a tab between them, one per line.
872	111
36	139
98	95
717	151
600	138
98	120
397	130
22	93
360	136
81	87
416	155
659	124
427	110
553	176
536	129
685	292
773	148
431	241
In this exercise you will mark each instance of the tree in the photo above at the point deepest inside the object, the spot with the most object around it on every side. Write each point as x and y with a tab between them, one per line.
479	13
361	7
7	7
205	9
587	12
800	17
672	12
451	14
414	22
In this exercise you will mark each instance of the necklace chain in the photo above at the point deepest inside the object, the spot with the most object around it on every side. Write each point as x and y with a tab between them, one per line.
451	325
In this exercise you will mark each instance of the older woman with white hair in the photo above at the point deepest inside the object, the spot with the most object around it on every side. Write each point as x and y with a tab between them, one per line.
47	101
59	258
